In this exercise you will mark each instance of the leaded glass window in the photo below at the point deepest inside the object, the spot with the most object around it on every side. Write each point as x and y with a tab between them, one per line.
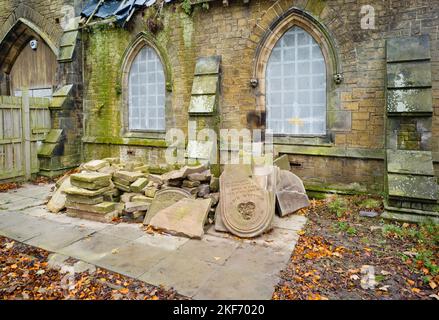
296	85
147	92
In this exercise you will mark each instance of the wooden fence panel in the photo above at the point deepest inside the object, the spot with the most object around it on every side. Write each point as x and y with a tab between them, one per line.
24	123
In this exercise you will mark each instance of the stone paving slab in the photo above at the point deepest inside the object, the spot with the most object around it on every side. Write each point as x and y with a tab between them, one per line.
219	266
9	219
22	204
210	249
164	241
59	237
237	284
258	260
183	273
125	231
133	259
27	228
94	247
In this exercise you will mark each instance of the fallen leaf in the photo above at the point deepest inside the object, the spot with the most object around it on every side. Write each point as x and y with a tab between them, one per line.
433	285
384	288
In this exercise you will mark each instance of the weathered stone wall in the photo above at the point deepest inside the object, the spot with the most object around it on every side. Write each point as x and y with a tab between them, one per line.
234	32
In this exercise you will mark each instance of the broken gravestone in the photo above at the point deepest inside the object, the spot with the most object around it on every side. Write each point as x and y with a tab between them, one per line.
290	193
219	224
163	199
246	208
186	217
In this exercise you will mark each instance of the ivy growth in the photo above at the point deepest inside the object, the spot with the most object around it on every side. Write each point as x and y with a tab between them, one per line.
186	5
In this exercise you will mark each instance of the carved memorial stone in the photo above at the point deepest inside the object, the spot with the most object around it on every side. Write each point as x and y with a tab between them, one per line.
186	217
246	208
163	199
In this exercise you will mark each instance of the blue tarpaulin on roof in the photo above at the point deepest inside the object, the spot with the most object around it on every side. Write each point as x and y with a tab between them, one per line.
121	9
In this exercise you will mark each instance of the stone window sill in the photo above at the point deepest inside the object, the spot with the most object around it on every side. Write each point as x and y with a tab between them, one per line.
159	135
318	141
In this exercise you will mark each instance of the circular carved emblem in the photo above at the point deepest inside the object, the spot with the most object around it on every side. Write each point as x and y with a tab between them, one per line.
247	210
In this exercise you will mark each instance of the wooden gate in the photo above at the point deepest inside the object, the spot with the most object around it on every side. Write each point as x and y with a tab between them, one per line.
24	123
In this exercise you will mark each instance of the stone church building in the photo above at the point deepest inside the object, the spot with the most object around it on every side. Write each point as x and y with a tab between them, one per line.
348	88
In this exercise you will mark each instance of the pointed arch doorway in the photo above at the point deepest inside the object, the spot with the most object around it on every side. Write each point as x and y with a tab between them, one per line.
27	60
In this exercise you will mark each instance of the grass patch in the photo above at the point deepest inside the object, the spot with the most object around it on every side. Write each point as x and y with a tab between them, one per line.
338	206
345	227
369	204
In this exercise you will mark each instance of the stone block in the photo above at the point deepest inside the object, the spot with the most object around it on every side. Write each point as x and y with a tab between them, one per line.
85	200
207	65
190	184
131	207
103	208
87	193
128	175
410	101
410	162
412	187
139	184
409	74
408	48
95	165
90	180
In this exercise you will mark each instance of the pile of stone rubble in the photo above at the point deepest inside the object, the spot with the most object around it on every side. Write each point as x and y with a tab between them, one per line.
182	201
107	189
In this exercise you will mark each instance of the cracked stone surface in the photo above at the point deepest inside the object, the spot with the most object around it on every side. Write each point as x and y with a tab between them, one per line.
219	266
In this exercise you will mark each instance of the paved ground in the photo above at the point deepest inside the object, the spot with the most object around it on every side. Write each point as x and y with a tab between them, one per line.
217	267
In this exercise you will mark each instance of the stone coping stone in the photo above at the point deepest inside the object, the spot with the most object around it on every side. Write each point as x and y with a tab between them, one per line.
54	136
128	175
186	217
90	180
95	165
85	200
104	207
87	215
410	162
87	193
283	162
412	187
